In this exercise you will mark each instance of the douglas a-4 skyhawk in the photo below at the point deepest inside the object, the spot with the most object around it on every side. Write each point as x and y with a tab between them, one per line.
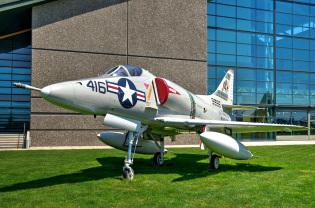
150	108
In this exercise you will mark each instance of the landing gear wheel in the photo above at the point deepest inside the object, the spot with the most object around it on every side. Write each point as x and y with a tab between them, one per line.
157	159
214	162
128	173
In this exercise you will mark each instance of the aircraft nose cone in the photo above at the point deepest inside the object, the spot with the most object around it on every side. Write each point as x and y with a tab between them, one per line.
45	91
60	93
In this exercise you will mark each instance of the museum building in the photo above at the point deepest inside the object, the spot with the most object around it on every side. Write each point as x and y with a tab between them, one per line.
270	44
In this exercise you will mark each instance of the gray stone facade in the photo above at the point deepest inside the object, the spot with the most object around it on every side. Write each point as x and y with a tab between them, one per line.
74	39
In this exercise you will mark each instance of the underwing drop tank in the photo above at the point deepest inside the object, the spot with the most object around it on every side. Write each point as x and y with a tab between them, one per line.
225	145
119	140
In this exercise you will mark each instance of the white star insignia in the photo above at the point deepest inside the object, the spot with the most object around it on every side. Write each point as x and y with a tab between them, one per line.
128	93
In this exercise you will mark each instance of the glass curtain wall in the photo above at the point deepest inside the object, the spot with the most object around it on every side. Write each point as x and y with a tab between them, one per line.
271	46
15	66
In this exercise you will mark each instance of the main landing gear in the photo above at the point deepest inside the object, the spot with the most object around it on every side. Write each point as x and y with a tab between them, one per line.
214	161
158	159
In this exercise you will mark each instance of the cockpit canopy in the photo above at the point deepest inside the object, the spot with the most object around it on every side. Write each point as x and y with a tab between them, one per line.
125	71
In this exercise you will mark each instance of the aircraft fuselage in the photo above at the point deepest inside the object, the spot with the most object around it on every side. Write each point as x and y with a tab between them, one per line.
132	97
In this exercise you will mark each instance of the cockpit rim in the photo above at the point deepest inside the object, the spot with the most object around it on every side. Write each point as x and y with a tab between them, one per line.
125	71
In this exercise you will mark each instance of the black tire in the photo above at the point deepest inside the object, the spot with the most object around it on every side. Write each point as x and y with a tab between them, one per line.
215	162
157	160
128	173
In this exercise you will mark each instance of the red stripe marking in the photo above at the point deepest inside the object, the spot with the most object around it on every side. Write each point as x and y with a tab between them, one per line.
140	94
113	87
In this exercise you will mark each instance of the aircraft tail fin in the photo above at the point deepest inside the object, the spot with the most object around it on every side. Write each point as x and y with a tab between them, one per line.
224	92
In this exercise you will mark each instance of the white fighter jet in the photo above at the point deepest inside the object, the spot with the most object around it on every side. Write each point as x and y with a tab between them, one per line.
150	108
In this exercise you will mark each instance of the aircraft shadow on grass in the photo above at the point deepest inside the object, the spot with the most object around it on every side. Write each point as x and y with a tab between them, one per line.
186	165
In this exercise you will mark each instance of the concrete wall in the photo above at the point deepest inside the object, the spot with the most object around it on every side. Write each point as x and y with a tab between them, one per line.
74	39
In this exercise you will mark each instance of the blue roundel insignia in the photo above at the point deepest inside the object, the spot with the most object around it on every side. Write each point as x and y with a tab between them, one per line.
127	93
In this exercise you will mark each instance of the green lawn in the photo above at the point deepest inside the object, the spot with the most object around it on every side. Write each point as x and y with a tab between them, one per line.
280	176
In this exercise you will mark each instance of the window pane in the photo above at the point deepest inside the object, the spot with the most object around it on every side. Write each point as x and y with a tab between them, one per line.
211	85
246	86
284	6
283	117
230	2
225	35
283	18
265	40
300	66
265	87
245	13
246	98
246	61
24	64
6	63
211	34
300	77
264	16
284	53
284	99
300	89
244	37
246	3
299	20
284	64
266	98
284	88
266	63
299	54
264	51
211	8
5	84
211	72
226	59
224	10
284	42
265	4
283	76
299	118
246	74
300	43
224	22
211	21
264	27
301	100
283	29
211	46
226	48
246	25
245	49
300	9
264	75
301	31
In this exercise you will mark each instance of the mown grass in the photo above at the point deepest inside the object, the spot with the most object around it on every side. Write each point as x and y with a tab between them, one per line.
281	176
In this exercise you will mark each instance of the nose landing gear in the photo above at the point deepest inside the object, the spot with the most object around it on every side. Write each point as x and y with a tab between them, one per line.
128	172
133	138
